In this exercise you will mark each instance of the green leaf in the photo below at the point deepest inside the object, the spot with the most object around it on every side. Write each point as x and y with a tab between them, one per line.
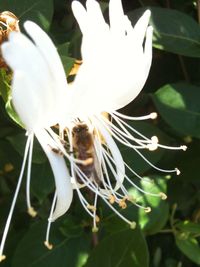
18	142
4	85
190	248
125	248
38	11
178	103
155	220
67	61
42	180
187	226
66	251
12	113
174	31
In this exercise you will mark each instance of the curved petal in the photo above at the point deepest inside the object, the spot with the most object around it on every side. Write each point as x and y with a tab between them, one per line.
50	55
62	178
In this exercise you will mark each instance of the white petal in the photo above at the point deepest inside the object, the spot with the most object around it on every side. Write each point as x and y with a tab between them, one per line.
119	163
141	26
61	175
80	14
116	17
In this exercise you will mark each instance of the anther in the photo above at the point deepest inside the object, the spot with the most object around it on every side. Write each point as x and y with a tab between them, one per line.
163	195
147	209
111	199
91	207
153	115
122	204
133	225
97	219
154	145
95	229
177	171
32	212
2	257
48	245
184	148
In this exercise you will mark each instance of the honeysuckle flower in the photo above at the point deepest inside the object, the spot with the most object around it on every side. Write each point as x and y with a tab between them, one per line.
116	62
38	87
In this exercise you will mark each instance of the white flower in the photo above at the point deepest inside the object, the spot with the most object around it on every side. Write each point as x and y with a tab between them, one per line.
38	87
116	63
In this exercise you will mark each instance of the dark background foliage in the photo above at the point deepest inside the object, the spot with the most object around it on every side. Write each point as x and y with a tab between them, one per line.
169	235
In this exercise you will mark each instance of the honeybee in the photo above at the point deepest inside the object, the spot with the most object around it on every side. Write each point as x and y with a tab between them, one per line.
8	23
83	145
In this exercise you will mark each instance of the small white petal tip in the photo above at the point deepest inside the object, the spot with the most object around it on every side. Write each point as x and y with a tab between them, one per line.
48	245
2	258
32	212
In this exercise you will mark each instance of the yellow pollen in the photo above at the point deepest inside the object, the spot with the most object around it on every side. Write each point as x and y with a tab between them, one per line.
90	207
48	245
111	199
147	209
133	225
32	212
2	257
153	115
162	195
8	167
95	229
122	204
97	219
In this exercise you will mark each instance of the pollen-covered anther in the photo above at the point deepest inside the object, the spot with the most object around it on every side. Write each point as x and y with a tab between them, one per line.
112	199
122	204
48	245
154	143
97	219
162	195
2	257
95	229
32	212
91	207
177	171
147	209
184	148
153	115
133	225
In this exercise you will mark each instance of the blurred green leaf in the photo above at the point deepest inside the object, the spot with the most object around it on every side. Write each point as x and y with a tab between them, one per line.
38	11
67	61
155	220
178	103
187	226
190	248
18	142
125	248
42	180
66	251
4	85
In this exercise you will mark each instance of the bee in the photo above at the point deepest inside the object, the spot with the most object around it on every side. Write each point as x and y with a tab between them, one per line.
8	23
83	146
